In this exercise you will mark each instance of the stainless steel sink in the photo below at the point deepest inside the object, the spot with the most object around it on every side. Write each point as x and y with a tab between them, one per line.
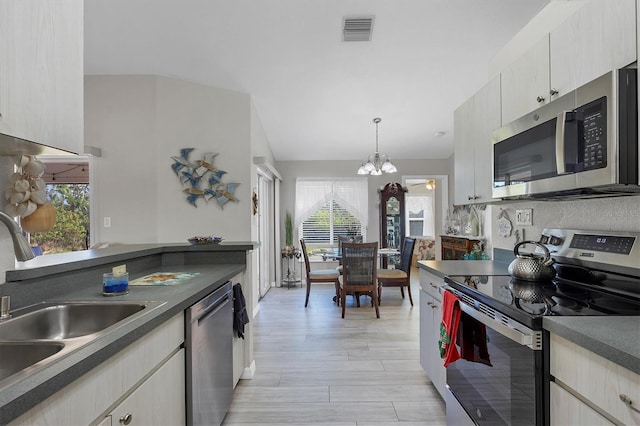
68	320
16	356
38	335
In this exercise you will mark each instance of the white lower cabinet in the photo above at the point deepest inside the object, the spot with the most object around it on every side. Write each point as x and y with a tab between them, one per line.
141	377
430	318
159	400
591	386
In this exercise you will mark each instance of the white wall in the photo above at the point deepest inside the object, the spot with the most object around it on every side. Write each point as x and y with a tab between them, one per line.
139	123
291	170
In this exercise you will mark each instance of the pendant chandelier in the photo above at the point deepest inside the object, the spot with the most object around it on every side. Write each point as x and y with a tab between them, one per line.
377	163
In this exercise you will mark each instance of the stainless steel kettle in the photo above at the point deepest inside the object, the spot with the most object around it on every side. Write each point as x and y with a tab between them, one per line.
532	267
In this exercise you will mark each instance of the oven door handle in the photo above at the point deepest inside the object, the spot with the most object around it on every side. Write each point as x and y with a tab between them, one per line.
524	337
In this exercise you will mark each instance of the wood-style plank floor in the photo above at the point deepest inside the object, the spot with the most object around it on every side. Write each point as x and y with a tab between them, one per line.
315	368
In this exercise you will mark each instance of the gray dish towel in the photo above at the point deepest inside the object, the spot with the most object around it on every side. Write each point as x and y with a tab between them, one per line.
240	317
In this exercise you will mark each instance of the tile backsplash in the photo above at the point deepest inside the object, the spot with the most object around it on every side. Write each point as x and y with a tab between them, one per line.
600	214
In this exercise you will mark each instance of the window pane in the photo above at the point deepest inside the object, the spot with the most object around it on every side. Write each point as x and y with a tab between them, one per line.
328	222
416	227
418	215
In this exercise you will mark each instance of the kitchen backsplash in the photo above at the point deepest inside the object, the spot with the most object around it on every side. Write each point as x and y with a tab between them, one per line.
601	214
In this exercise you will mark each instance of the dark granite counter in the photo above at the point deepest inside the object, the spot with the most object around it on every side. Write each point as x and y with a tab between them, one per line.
80	280
443	268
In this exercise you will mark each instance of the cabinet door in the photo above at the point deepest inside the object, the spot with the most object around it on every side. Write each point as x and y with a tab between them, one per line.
599	37
486	120
159	400
568	410
464	158
525	83
439	375
42	71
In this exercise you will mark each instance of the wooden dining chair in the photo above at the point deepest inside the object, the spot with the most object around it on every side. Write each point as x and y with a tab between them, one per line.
318	276
359	272
399	277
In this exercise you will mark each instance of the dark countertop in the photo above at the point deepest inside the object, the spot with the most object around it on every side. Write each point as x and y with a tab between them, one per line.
615	338
43	266
443	268
18	397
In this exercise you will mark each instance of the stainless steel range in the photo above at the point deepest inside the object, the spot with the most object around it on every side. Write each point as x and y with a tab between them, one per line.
501	378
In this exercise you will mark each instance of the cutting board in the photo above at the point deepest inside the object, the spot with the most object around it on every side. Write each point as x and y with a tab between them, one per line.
164	278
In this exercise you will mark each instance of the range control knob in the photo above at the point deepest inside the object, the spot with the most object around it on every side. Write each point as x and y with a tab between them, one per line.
555	241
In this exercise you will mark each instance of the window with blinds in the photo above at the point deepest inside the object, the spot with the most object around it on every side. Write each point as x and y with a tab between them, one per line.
329	222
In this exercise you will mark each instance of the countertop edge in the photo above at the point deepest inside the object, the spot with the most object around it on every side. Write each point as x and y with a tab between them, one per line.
43	266
595	335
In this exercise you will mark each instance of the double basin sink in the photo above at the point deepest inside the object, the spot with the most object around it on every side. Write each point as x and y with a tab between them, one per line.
41	334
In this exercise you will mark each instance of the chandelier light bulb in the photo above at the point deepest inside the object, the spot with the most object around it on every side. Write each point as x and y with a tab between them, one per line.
377	163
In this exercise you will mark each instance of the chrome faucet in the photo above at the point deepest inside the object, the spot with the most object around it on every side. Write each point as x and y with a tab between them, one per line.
5	308
21	246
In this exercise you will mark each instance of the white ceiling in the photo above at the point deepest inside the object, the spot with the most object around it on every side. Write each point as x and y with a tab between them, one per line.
315	95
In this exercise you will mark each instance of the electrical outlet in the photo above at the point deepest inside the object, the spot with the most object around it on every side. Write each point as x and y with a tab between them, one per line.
107	222
524	217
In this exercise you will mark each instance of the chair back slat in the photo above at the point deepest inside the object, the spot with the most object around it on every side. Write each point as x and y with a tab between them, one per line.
359	264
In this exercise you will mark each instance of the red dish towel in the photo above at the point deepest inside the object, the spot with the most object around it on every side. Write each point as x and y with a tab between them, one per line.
449	328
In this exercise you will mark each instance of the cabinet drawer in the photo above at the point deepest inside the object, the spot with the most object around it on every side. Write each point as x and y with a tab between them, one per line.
455	242
595	379
430	283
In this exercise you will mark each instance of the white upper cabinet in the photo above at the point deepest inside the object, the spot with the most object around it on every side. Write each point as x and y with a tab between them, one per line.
597	38
42	72
525	83
474	122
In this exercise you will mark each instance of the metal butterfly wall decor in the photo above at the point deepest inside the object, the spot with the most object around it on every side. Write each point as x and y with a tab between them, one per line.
201	179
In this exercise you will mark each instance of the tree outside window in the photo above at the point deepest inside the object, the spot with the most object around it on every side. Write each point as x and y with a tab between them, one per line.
71	231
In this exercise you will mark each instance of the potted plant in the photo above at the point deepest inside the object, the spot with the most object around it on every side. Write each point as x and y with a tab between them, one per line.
289	251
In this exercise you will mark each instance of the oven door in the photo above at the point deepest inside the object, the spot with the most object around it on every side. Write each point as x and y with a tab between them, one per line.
508	389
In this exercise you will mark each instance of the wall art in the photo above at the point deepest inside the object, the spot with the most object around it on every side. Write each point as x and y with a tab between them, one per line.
202	180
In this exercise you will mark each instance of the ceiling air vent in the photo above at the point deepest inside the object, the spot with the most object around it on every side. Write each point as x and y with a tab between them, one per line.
357	28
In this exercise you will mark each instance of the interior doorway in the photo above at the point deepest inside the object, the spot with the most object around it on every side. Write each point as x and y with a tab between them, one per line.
432	193
264	236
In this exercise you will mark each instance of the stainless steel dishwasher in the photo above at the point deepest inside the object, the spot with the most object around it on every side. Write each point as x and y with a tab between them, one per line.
209	339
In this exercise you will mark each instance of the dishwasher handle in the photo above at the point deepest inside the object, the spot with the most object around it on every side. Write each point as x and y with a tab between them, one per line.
211	304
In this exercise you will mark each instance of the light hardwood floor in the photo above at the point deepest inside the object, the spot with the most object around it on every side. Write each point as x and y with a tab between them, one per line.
315	368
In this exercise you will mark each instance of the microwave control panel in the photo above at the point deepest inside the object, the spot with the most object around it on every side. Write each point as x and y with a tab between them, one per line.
594	134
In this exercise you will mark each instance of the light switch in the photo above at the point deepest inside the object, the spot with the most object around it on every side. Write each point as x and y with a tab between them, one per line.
524	217
107	222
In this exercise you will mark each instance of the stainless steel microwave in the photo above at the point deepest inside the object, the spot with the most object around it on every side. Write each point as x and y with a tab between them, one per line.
583	144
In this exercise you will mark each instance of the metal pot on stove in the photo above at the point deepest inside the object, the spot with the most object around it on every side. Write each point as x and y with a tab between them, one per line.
532	266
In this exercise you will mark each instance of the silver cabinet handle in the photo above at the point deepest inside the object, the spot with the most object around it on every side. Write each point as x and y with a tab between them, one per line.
540	99
624	398
433	285
553	92
126	419
473	197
